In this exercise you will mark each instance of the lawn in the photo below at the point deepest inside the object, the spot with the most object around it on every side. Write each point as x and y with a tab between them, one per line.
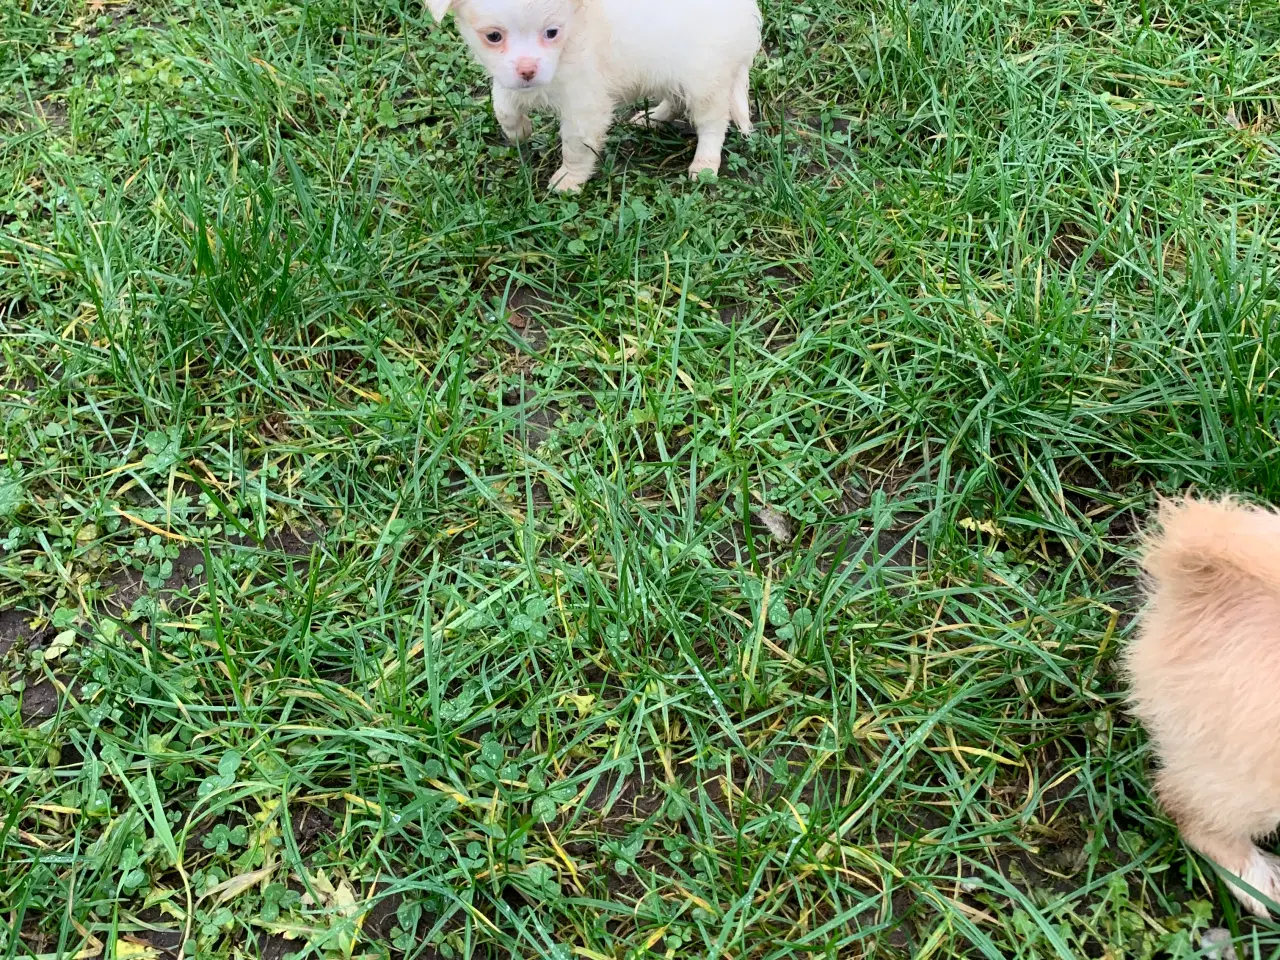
399	560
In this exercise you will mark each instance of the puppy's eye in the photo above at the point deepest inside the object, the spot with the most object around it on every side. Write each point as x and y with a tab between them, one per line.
551	33
494	37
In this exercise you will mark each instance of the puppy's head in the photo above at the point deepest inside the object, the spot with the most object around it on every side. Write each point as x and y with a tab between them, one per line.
517	41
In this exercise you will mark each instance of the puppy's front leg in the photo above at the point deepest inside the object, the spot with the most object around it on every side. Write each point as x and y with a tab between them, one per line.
1239	857
583	126
508	107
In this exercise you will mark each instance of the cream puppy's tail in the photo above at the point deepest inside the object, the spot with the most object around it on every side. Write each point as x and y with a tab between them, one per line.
740	100
1205	546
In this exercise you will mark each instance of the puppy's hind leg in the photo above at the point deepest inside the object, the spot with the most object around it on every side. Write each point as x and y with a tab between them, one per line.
1239	857
710	116
664	112
740	100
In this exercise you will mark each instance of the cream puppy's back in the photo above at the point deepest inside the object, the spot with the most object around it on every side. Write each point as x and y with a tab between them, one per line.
661	47
1204	669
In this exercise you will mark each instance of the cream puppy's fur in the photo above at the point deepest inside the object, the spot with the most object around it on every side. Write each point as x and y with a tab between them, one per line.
1205	675
581	58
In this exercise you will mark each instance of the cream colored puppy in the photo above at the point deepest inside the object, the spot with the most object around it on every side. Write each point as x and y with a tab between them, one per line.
1205	672
581	58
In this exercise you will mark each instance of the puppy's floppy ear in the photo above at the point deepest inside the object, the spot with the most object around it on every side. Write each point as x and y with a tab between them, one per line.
439	8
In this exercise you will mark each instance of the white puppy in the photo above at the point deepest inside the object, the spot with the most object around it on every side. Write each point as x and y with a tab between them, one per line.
582	58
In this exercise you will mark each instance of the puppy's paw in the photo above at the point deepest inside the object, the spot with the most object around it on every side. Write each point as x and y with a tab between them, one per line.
702	169
518	130
1262	872
565	181
664	112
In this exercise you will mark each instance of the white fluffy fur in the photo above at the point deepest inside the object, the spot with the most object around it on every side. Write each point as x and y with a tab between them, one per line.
581	58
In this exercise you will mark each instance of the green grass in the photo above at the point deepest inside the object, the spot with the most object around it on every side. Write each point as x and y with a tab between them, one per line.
396	558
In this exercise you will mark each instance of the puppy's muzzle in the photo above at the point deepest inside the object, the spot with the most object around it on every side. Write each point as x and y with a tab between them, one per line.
526	70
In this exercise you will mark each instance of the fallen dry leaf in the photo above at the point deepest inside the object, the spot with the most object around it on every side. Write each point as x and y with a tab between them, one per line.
233	887
981	526
583	701
778	524
61	644
133	950
1216	944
